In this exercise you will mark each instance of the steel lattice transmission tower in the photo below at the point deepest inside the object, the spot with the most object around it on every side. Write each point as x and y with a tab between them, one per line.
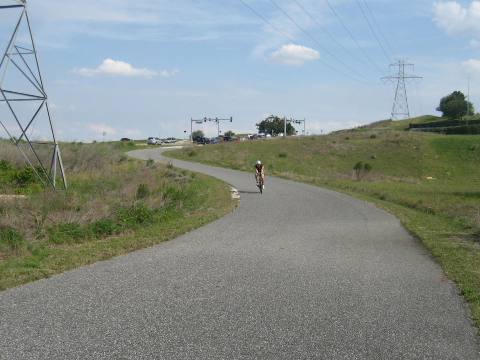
400	109
24	112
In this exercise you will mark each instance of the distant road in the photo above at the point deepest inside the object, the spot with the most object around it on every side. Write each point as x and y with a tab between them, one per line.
297	273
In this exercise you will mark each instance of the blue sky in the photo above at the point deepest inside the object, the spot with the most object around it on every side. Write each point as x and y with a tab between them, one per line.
140	68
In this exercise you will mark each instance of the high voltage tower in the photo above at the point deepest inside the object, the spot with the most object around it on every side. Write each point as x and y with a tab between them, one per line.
24	112
400	109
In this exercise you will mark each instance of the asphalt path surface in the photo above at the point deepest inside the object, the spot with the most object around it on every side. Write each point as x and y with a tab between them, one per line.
296	273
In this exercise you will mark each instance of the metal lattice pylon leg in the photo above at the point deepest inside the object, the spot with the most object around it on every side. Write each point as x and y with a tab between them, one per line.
25	101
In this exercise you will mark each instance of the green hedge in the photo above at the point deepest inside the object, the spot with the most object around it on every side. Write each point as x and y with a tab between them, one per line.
445	124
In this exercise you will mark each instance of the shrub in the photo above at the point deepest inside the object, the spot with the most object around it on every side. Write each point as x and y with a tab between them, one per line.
104	227
25	177
11	239
282	155
142	191
134	215
373	136
5	165
174	194
361	169
150	162
66	233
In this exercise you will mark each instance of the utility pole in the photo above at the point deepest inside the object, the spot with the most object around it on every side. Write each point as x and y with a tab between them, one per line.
196	121
400	108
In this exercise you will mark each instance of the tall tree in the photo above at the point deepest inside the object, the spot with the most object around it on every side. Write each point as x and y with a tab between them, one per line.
197	135
274	125
455	105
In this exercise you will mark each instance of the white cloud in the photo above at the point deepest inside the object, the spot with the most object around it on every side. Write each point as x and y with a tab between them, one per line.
472	67
100	129
168	73
120	68
292	54
455	18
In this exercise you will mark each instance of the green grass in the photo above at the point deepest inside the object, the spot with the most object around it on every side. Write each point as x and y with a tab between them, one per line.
430	181
113	205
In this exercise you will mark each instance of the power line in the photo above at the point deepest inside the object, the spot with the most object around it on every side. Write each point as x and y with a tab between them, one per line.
314	39
379	28
291	38
325	30
350	34
268	22
362	10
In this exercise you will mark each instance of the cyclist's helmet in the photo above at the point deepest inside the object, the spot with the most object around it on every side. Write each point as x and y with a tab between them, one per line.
259	162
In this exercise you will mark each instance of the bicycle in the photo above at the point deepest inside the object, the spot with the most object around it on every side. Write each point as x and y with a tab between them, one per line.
260	183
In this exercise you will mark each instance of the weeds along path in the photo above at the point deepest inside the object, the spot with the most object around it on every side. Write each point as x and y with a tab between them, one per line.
296	273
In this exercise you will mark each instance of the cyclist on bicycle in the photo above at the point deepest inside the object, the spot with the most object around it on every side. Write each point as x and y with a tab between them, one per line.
260	172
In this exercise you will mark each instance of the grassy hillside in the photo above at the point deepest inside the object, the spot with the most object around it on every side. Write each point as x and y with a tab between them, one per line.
114	205
431	182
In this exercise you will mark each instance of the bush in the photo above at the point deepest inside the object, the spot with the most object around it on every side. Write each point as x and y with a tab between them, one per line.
137	214
66	233
373	136
463	130
361	170
11	239
174	194
104	227
5	165
150	162
142	191
25	177
282	155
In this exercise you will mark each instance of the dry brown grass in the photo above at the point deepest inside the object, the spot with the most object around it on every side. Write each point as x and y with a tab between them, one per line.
102	180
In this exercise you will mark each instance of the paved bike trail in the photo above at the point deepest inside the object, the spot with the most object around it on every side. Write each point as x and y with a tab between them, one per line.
296	273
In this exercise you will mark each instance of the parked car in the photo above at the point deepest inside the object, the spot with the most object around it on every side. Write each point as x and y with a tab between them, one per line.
202	140
125	139
154	141
170	140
